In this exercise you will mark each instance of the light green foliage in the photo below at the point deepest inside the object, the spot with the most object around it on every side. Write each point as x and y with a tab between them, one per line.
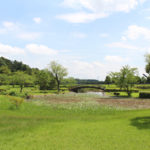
16	101
126	78
23	79
4	79
58	71
4	70
69	81
40	127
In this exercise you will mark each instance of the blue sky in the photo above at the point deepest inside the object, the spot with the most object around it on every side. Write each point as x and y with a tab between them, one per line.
89	37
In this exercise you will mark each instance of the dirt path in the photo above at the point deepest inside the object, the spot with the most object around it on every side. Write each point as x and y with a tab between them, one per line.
127	103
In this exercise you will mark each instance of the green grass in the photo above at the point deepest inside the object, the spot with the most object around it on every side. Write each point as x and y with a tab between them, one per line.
124	94
40	127
27	90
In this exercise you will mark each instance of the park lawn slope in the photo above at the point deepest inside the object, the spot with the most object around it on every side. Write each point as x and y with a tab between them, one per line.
37	127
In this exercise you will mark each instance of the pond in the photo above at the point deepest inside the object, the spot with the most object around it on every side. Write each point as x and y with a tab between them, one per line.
102	94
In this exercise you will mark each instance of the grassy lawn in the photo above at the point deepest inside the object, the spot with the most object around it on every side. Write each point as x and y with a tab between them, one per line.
82	126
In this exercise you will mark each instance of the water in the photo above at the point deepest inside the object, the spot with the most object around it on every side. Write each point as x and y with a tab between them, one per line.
102	94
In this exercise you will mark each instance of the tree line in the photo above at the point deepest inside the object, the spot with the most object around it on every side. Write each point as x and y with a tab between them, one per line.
16	73
127	77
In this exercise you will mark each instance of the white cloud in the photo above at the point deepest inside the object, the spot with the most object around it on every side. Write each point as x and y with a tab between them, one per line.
98	8
90	70
10	50
37	20
15	30
40	49
104	35
79	35
122	46
81	17
29	35
134	32
9	25
116	59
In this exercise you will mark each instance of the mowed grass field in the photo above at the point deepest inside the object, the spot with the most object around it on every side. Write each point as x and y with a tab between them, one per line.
72	125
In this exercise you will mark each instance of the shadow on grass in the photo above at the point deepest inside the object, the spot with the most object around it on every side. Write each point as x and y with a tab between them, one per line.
141	122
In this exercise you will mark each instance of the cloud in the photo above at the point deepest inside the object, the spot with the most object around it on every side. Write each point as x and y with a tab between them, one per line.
90	70
15	30
104	35
116	59
10	50
79	35
97	8
40	49
9	25
134	32
37	20
81	17
29	35
122	45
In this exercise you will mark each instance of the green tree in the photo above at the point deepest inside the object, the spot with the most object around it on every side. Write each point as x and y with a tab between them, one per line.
4	70
126	78
23	79
45	80
69	81
58	71
108	80
4	79
147	59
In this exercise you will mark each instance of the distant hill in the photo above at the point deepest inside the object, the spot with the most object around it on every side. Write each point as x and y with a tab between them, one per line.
16	65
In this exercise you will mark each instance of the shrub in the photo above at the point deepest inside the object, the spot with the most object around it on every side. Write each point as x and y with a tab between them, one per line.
16	101
12	93
116	94
144	95
27	96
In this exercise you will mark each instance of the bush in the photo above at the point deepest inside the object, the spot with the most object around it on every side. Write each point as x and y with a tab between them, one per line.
16	101
27	96
12	93
144	95
116	94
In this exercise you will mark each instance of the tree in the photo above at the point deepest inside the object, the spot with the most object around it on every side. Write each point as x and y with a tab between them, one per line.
23	79
69	81
4	79
4	70
108	80
126	78
58	71
147	59
45	80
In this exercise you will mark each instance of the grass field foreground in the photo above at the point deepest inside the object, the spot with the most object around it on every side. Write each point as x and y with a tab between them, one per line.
35	126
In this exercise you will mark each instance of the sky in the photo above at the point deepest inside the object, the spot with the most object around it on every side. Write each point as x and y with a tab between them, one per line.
90	38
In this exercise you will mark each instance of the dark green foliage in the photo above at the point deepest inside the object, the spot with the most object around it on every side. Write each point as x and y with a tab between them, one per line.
108	80
45	80
144	95
15	66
